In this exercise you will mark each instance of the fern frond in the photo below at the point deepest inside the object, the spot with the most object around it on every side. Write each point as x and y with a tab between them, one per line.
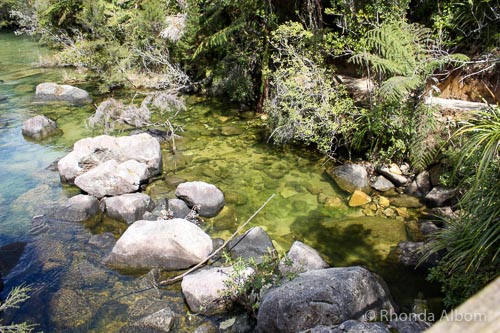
397	87
219	38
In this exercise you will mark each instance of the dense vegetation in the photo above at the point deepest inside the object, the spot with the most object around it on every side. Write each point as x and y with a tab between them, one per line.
281	57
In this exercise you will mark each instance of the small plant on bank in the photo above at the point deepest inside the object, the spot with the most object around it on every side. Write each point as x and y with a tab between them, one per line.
250	280
17	296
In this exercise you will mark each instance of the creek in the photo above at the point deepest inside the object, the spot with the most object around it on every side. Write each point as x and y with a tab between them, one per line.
73	291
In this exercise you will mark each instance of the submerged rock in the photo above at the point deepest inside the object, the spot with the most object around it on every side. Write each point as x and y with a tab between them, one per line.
407	201
171	245
350	177
53	92
40	127
128	207
208	291
359	198
89	153
327	297
301	258
160	321
207	196
78	208
255	243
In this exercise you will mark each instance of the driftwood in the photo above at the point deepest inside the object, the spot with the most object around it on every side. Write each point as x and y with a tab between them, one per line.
192	269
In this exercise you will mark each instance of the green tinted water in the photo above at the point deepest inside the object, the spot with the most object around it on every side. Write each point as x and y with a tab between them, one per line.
219	146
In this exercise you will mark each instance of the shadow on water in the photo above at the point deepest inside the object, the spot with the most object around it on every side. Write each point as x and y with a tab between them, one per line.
368	242
342	244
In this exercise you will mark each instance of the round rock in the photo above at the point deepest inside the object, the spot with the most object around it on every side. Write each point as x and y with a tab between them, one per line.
207	196
171	245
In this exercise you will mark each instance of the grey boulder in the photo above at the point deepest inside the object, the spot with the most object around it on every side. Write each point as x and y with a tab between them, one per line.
89	153
410	254
440	196
111	178
254	244
179	208
209	198
39	127
350	177
301	258
128	207
209	291
53	92
323	297
170	245
78	208
398	180
382	184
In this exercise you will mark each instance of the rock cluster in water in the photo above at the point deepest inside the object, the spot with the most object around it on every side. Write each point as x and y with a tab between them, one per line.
390	192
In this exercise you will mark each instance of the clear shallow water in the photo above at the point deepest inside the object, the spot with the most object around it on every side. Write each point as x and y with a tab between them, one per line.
220	146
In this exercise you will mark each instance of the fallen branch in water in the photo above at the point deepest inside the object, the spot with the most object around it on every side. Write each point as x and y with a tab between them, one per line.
179	277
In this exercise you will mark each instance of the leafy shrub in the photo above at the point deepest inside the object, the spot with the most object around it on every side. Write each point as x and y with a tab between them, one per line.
304	104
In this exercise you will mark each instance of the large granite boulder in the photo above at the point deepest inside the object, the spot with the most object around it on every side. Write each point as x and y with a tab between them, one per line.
128	207
350	177
111	178
301	258
78	208
171	245
323	297
39	127
53	92
207	196
208	291
89	153
253	244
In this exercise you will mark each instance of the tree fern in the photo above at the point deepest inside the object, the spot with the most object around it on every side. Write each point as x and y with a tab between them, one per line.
219	38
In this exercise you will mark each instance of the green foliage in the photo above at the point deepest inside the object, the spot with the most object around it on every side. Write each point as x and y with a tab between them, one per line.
348	21
16	296
303	102
458	286
250	280
401	57
472	240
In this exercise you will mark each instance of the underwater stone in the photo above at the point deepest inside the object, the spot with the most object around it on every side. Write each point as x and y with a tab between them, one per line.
359	198
78	208
39	127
